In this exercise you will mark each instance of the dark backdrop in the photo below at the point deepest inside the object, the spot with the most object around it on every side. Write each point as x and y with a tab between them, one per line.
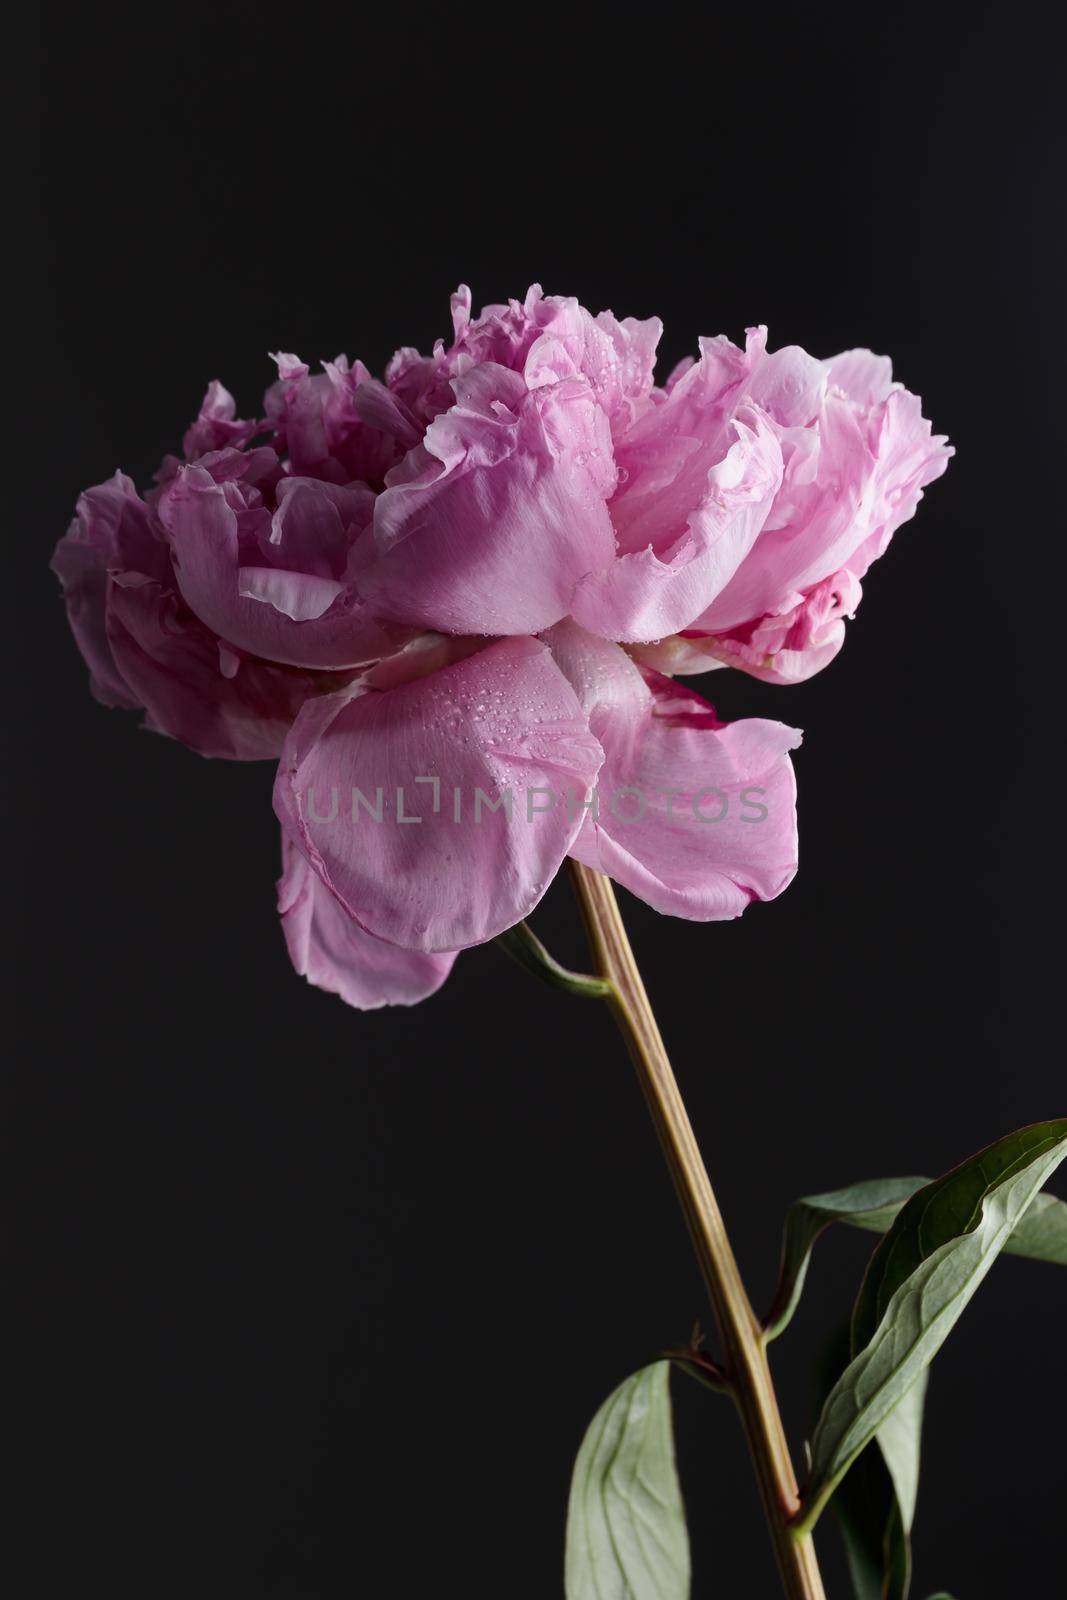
312	1304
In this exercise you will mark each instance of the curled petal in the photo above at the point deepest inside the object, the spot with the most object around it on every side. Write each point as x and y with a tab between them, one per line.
489	525
316	525
696	817
297	595
544	339
861	376
846	490
616	358
279	617
786	648
646	594
664	461
217	425
216	702
789	385
317	420
501	334
822	529
908	457
384	409
83	574
678	655
798	642
334	953
113	529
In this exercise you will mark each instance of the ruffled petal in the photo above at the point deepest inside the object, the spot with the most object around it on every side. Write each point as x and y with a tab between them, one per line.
318	422
908	457
788	384
334	953
113	529
315	525
391	795
217	424
648	593
824	526
82	571
278	619
861	376
798	642
665	459
298	595
695	817
545	340
216	702
489	525
850	481
616	358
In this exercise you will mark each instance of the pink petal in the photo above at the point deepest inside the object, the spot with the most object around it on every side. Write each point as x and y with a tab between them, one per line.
665	459
670	770
297	595
83	574
843	497
202	525
649	593
488	526
381	408
799	641
788	384
861	376
112	529
437	873
316	524
617	358
317	422
217	424
334	953
678	655
908	456
822	526
216	702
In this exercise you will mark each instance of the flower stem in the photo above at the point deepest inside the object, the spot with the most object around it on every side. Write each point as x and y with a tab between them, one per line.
746	1369
523	946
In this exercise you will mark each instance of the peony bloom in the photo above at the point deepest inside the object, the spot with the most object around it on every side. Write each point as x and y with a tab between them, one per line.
451	603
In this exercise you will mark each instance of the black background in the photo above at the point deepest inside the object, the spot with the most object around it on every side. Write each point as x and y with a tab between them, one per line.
312	1304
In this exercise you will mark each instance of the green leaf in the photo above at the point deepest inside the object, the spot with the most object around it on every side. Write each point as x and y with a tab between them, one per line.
626	1533
870	1205
1042	1232
900	1439
875	1503
921	1277
1040	1235
878	1551
881	1526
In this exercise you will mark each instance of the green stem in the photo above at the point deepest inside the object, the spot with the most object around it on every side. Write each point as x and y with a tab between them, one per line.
523	946
746	1369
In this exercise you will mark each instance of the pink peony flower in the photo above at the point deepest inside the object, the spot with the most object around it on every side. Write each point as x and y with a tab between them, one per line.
451	602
